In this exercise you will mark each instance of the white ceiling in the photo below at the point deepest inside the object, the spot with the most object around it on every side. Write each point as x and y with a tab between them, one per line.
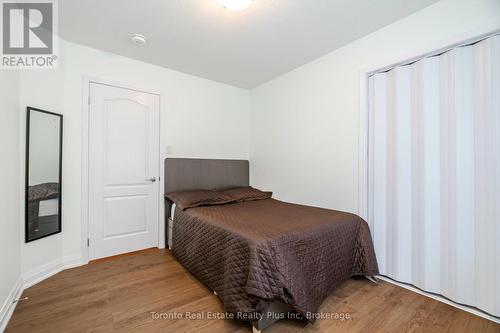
243	49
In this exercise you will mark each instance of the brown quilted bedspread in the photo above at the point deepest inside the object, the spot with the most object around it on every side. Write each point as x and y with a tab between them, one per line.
44	191
254	252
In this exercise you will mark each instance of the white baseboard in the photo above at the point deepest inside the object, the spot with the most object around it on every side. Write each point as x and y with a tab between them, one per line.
45	271
441	299
31	278
9	305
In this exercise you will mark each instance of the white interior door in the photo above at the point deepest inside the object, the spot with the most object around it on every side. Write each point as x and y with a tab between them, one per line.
123	170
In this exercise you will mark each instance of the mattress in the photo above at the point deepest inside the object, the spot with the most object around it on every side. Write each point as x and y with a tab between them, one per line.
254	252
48	207
172	211
170	225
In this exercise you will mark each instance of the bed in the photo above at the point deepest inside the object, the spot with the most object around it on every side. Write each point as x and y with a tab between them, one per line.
265	259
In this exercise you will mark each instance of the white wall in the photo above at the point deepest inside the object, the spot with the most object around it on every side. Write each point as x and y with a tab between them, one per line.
10	195
305	124
200	118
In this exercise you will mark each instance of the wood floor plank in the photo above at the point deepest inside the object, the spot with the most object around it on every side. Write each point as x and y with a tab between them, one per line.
122	294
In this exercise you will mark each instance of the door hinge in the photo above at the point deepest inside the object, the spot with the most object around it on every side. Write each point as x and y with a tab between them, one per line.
88	242
89	100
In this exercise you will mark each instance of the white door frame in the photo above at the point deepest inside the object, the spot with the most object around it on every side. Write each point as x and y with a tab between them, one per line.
364	117
87	80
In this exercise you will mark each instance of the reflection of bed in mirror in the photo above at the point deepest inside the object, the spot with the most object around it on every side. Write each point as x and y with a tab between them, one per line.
43	209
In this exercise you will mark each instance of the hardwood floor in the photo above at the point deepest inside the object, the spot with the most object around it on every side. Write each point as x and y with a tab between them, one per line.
120	295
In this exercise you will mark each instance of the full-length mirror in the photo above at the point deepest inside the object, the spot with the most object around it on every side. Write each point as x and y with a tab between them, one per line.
43	173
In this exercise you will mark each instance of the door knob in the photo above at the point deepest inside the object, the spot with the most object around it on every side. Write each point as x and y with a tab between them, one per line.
153	179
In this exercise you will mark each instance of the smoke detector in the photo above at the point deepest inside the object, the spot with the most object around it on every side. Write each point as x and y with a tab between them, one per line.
138	39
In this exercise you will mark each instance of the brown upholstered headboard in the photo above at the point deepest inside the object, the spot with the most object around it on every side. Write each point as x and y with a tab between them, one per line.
182	174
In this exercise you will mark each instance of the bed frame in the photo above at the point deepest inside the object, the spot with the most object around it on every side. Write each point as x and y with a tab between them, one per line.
183	174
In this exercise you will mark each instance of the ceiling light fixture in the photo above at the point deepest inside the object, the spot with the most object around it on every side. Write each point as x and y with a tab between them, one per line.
236	5
137	39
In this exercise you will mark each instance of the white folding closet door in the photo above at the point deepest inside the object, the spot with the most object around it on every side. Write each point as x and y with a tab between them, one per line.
434	173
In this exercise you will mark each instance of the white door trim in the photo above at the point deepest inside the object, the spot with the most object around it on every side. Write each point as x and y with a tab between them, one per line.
87	80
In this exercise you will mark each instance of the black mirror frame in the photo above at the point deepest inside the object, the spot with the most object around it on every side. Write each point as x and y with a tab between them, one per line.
29	109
